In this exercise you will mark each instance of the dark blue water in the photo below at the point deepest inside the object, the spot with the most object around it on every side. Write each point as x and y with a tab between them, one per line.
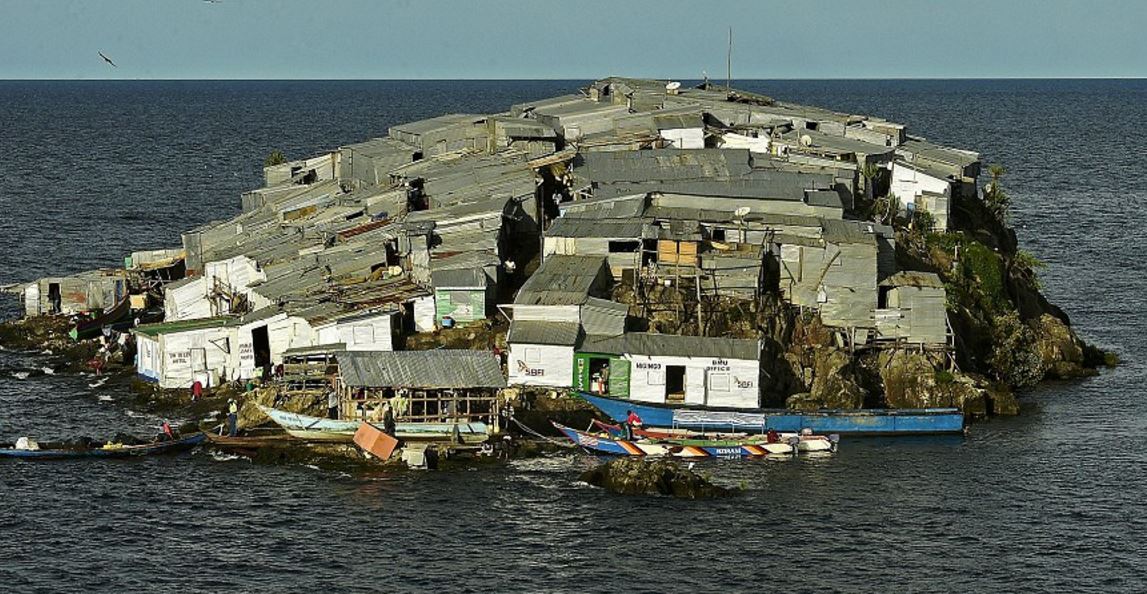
1052	500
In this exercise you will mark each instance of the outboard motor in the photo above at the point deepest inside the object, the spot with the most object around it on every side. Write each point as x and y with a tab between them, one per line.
834	439
795	441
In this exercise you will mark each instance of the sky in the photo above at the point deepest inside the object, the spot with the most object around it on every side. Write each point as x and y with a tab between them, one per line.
571	39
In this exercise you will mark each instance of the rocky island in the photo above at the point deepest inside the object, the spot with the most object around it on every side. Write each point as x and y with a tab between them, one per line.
638	239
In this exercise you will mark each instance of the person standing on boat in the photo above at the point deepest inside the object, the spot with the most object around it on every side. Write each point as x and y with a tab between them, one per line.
232	417
632	422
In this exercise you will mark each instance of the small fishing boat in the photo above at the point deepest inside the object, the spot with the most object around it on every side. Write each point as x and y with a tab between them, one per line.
805	440
48	451
91	327
311	428
605	444
921	421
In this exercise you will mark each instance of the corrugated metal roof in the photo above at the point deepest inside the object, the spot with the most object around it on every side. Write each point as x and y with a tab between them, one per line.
460	278
440	368
831	143
848	231
603	318
827	198
594	227
957	157
662	165
541	332
642	343
561	280
441	122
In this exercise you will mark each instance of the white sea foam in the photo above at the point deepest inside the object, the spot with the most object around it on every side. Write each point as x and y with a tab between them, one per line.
48	371
21	375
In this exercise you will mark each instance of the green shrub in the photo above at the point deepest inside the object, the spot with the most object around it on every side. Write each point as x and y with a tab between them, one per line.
985	267
275	158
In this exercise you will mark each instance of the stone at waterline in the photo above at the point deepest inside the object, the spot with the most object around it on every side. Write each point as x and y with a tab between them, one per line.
638	476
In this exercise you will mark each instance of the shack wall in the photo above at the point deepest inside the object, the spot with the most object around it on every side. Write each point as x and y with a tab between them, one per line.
149	360
708	381
541	365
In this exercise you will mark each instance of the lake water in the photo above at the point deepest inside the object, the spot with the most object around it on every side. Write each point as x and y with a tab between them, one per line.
1050	501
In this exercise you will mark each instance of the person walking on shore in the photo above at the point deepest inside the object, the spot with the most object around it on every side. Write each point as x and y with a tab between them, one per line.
232	417
196	390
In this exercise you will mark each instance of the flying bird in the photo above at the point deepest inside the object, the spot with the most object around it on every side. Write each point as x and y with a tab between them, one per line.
107	59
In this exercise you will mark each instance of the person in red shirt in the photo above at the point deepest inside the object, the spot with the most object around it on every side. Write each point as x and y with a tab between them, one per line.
632	421
196	390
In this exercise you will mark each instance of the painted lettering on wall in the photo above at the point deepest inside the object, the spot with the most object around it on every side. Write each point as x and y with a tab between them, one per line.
718	365
179	357
247	352
528	371
650	366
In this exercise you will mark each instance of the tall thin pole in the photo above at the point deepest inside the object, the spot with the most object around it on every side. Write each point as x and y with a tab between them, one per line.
729	64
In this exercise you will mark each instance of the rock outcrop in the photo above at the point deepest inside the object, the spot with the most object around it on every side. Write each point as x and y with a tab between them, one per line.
637	476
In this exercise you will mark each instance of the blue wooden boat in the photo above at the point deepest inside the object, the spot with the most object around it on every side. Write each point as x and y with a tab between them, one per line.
918	421
108	451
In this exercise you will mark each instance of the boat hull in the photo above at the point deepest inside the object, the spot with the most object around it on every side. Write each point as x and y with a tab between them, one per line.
93	327
621	447
311	428
150	449
929	421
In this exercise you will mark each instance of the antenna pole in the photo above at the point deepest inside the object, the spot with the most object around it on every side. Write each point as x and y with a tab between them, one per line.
729	64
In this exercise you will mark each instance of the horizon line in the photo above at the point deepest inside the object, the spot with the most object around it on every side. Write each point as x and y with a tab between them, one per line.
713	81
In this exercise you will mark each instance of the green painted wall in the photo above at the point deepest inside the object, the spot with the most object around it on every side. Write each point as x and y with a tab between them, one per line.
463	306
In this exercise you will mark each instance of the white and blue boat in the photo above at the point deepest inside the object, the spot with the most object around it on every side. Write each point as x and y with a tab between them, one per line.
917	421
309	428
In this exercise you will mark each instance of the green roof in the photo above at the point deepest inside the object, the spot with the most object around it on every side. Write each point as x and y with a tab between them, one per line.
184	326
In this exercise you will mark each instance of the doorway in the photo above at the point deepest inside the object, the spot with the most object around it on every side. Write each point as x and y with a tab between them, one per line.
55	300
599	376
675	383
262	345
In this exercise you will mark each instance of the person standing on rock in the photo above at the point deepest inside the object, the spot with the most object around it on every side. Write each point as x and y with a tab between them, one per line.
196	390
232	417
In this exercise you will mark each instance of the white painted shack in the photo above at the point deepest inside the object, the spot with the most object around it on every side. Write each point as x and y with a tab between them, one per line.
361	330
212	350
186	299
664	368
541	352
176	354
546	318
924	188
